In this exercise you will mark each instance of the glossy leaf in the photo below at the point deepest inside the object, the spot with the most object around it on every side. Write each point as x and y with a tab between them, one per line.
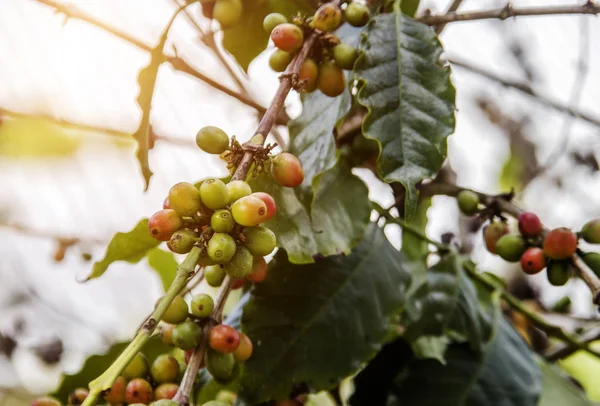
165	265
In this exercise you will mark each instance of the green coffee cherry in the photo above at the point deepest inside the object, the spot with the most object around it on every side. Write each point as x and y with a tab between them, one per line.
212	140
214	275
164	402
165	368
226	396
184	198
182	241
468	202
228	12
240	264
220	365
357	14
214	194
222	221
237	189
327	17
510	247
221	248
259	240
273	20
217	403
345	55
558	272
249	211
176	312
591	231
137	367
279	60
202	305
187	335
592	259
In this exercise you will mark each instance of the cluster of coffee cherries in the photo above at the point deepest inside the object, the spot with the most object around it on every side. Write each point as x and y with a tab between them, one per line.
534	248
323	68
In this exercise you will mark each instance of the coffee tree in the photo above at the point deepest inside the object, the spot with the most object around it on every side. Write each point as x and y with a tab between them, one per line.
328	303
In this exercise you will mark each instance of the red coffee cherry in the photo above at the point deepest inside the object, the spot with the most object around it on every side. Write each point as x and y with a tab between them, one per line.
259	270
116	394
560	243
287	170
46	401
238	283
492	233
287	37
163	224
533	260
78	396
530	225
269	202
166	391
139	391
224	338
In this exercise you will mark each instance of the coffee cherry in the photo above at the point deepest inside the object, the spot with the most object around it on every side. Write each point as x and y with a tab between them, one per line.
116	394
138	391
259	240
345	55
176	312
279	60
187	335
184	198
228	12
331	81
220	365
560	243
202	305
259	270
287	37
137	367
558	272
214	194
307	75
269	202
182	241
244	349
223	338
287	170
212	140
357	14
237	189
492	233
222	221
46	401
249	211
533	260
164	393
273	20
164	223
241	263
166	333
510	247
216	403
467	202
226	396
591	231
214	275
592	259
238	283
78	396
530	225
165	368
327	17
221	248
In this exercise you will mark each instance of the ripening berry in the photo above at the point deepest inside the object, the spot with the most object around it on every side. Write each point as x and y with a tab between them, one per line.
167	203
223	338
184	198
592	259
46	401
269	202
591	231
530	225
307	75
165	391
331	81
244	349
560	243
176	312
228	12
259	270
249	211
220	365
492	233
222	221
137	367
166	333
279	60
164	223
510	247
467	202
78	396
241	263
226	396
212	140
116	394
214	275
345	55
165	368
533	260
138	391
214	194
327	17
287	170
287	37
237	189
182	241
558	272
202	305
259	240
273	20
238	283
357	14
221	248
187	335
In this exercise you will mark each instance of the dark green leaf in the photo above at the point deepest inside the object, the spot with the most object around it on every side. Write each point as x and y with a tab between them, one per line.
412	246
558	390
409	7
409	98
131	247
317	323
431	347
164	264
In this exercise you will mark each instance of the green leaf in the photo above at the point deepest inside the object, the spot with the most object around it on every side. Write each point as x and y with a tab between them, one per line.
131	246
409	7
317	323
584	367
431	347
409	98
558	390
412	246
164	264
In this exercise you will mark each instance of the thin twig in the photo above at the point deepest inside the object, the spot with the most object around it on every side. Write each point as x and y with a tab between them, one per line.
563	350
453	7
21	228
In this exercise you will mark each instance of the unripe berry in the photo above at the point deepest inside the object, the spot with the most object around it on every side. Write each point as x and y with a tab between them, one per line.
533	260
227	397
591	231
279	60
137	367
216	403
273	20
228	12
269	202
164	392
164	223
116	394
214	275
176	312
510	247
327	17
357	14
212	140
331	81
492	233
530	225
214	194
138	391
560	243
244	349
259	270
287	170
307	75
165	368
166	333
46	401
241	263
237	189
287	37
467	202
182	241
558	272
187	335
221	248
222	221
345	55
223	338
78	396
592	259
202	305
220	365
184	198
259	240
249	211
